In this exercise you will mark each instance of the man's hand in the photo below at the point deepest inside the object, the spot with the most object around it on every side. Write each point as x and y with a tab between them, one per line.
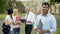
42	31
46	31
28	22
39	31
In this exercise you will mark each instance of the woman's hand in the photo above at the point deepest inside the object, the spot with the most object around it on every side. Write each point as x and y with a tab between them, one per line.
7	22
17	22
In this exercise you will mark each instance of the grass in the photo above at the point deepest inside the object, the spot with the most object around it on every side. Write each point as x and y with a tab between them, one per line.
2	16
58	31
33	31
57	18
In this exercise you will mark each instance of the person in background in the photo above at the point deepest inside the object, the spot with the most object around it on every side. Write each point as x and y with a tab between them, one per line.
8	20
45	23
16	18
38	12
30	18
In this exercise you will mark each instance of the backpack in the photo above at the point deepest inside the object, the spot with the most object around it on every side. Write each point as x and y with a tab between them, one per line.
6	28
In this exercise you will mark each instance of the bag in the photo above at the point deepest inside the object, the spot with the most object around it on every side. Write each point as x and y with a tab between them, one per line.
5	28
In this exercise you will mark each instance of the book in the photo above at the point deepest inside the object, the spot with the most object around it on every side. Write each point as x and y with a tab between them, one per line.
23	20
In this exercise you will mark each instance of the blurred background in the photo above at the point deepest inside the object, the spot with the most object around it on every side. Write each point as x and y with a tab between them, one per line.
35	6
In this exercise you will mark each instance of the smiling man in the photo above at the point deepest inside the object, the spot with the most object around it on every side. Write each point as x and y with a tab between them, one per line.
45	23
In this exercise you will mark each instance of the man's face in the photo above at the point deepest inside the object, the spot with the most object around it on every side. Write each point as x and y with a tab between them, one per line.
45	8
26	10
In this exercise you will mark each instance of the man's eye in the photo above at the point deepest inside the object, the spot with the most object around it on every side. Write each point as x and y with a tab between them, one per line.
46	7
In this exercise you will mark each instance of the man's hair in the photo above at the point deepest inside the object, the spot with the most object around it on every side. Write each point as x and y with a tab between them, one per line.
10	11
27	7
46	3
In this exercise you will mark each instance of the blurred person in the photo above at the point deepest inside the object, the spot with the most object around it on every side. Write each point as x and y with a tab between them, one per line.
30	18
38	12
7	24
45	23
16	17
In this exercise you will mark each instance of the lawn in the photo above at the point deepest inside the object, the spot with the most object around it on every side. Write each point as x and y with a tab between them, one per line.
33	31
2	16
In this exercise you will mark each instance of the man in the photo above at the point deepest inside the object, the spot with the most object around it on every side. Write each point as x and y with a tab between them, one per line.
30	18
45	23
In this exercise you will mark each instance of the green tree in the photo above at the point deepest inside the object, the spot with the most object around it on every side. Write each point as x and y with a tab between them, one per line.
57	1
3	5
52	2
20	6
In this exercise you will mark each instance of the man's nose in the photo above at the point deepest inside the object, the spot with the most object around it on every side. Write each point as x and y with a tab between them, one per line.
44	8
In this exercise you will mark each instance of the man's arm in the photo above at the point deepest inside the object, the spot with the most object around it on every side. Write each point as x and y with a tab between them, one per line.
42	31
36	24
39	31
53	26
46	31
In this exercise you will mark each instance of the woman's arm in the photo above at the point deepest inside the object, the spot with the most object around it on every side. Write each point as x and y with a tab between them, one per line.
7	22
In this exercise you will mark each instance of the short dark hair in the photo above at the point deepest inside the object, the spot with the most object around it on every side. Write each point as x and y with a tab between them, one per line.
46	3
10	11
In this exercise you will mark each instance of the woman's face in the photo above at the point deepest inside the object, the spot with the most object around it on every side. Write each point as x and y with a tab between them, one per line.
15	11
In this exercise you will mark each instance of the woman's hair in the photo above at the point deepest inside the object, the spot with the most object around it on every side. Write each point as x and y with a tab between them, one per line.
10	11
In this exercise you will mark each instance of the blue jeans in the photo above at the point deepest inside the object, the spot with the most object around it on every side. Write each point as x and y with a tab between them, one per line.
11	32
16	30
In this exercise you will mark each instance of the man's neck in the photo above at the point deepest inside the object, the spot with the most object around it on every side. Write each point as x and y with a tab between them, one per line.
27	12
44	14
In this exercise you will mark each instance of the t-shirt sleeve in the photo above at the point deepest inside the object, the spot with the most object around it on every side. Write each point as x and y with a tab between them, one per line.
6	18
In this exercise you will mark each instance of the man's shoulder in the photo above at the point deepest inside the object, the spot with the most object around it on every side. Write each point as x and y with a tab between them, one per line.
52	16
32	13
39	15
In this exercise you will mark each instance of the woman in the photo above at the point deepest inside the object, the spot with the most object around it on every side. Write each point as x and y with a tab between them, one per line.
8	20
16	18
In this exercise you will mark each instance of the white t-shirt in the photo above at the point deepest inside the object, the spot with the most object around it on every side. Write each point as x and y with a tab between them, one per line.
30	17
10	21
8	18
15	26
